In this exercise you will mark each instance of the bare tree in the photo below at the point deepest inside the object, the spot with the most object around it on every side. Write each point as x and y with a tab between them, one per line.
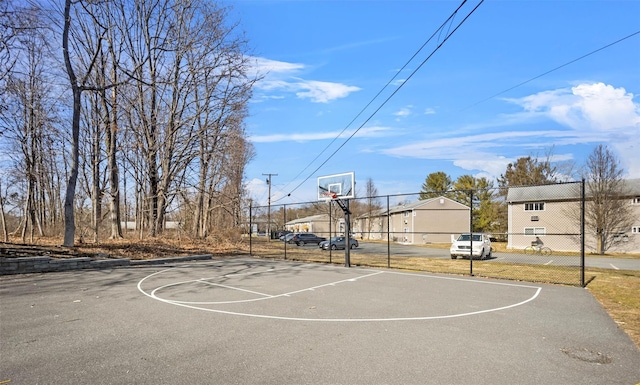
111	131
85	32
171	78
78	86
187	108
12	25
372	203
100	119
607	212
28	121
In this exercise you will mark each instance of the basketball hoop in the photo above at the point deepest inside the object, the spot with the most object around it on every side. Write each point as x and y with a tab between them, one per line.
329	194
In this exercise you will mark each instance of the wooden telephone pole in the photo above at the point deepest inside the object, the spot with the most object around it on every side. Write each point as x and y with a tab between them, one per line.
269	206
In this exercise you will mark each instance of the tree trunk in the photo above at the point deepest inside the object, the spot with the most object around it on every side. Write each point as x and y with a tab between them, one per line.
96	193
69	221
112	164
5	233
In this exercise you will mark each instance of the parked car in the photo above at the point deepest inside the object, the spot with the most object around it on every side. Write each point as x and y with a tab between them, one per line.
304	238
281	233
287	237
337	243
481	244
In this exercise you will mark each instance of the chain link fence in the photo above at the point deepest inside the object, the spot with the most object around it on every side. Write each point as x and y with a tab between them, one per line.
536	233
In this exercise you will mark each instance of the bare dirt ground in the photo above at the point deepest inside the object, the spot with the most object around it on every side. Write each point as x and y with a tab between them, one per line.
134	249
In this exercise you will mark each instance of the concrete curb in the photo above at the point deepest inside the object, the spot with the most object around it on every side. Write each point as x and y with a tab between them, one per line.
43	264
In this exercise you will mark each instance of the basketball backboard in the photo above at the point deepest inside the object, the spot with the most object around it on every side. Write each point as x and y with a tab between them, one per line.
336	186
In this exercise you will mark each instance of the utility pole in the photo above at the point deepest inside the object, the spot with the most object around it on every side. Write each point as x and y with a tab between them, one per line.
269	207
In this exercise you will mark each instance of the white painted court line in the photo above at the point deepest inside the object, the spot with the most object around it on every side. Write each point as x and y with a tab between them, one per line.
232	288
270	270
202	280
265	316
265	296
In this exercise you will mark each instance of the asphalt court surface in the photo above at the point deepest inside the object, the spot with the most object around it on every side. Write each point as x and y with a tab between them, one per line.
250	321
307	292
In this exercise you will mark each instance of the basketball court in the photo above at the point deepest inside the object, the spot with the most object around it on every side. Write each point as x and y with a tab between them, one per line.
247	320
266	289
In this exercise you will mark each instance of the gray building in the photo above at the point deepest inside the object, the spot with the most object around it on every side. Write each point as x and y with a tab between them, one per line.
552	213
433	220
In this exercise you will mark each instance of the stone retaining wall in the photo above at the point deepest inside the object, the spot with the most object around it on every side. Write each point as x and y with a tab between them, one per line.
23	265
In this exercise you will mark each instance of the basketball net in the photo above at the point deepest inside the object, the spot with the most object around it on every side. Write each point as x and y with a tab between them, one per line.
329	194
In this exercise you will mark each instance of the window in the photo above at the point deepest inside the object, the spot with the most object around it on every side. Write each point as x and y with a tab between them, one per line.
635	201
536	206
406	213
635	230
534	231
621	237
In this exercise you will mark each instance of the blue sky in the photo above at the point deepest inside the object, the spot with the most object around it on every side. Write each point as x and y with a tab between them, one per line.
324	61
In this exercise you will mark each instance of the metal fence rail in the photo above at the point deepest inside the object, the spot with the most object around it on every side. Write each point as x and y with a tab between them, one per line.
415	231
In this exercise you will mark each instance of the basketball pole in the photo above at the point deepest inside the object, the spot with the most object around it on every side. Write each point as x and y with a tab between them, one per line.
344	205
347	238
340	188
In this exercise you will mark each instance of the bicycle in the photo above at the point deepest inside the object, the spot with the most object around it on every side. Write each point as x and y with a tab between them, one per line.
544	250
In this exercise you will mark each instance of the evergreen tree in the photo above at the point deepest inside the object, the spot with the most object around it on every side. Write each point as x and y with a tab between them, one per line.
436	184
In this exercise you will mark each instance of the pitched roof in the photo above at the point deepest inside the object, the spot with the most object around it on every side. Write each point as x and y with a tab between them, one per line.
405	207
560	192
312	218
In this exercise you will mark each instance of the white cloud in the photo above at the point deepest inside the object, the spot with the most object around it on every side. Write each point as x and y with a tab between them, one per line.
587	114
366	132
267	66
587	106
491	165
597	113
281	76
258	189
429	111
448	148
405	111
322	92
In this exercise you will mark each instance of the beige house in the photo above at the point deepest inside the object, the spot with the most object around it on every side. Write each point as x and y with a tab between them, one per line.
433	220
318	224
552	213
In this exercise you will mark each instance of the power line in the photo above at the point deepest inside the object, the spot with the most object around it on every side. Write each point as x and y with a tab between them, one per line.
381	90
438	31
554	69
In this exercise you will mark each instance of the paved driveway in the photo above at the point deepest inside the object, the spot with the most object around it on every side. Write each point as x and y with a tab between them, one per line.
421	251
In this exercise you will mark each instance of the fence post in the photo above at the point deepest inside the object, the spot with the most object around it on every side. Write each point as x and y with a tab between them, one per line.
347	235
388	235
250	230
330	220
284	221
582	237
471	233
